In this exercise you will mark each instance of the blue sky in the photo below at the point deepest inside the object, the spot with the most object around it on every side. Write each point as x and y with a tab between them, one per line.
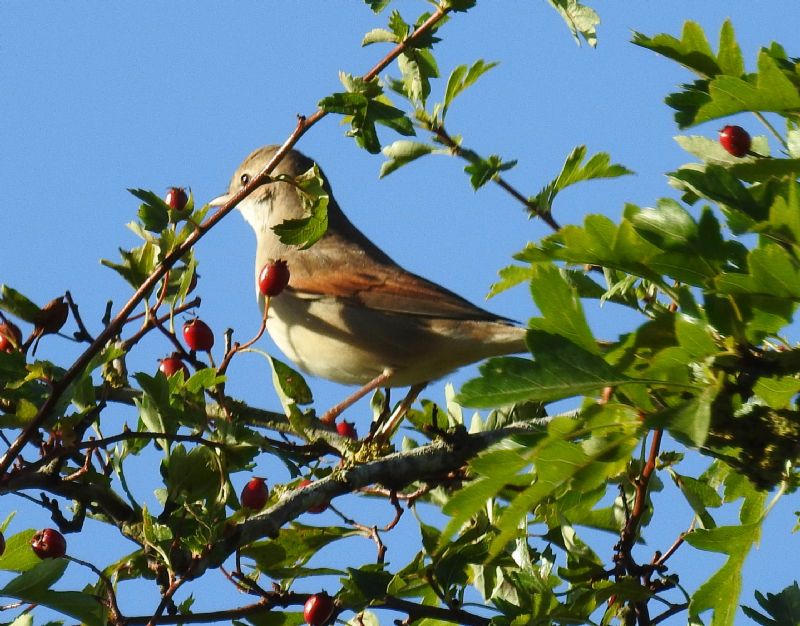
100	97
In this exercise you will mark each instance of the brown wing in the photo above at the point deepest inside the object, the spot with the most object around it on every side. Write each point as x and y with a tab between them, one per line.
372	278
395	291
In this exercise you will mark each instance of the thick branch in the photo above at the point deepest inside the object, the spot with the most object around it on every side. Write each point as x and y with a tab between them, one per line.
395	471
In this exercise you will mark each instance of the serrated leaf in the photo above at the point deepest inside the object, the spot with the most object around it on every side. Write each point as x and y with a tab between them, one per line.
377	5
783	608
692	50
293	547
379	35
581	20
510	276
461	78
690	421
153	217
561	369
721	592
574	171
12	301
561	308
563	465
481	171
306	231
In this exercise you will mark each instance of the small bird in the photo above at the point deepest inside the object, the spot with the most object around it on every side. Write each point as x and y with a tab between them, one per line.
350	314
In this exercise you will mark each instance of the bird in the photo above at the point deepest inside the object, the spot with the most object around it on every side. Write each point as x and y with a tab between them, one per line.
350	314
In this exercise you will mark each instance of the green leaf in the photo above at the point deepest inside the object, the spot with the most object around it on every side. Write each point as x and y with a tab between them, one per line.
377	5
154	213
293	547
12	301
18	556
689	421
481	171
574	171
729	55
417	67
461	78
695	336
398	25
561	370
196	475
379	35
289	383
580	19
772	91
692	50
402	152
40	577
772	272
511	276
458	6
370	582
564	466
306	231
783	608
699	495
561	308
721	592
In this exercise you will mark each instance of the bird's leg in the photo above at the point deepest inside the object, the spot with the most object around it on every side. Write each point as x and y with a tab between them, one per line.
386	430
331	414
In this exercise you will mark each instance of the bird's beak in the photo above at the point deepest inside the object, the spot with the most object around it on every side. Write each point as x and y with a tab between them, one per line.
220	200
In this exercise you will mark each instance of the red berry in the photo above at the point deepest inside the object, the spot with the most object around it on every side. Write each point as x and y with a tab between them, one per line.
317	508
2	544
172	365
273	278
198	335
10	337
254	495
176	198
346	429
735	140
318	609
49	544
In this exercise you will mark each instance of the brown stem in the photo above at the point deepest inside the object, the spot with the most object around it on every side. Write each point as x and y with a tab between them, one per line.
83	334
165	600
443	136
107	441
640	501
152	321
115	616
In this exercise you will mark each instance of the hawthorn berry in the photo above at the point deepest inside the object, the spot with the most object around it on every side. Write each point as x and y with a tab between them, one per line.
171	365
176	198
735	140
346	429
254	495
198	335
10	337
273	278
318	609
317	508
49	544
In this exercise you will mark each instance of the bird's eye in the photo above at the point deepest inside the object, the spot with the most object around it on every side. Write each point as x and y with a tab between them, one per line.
245	178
